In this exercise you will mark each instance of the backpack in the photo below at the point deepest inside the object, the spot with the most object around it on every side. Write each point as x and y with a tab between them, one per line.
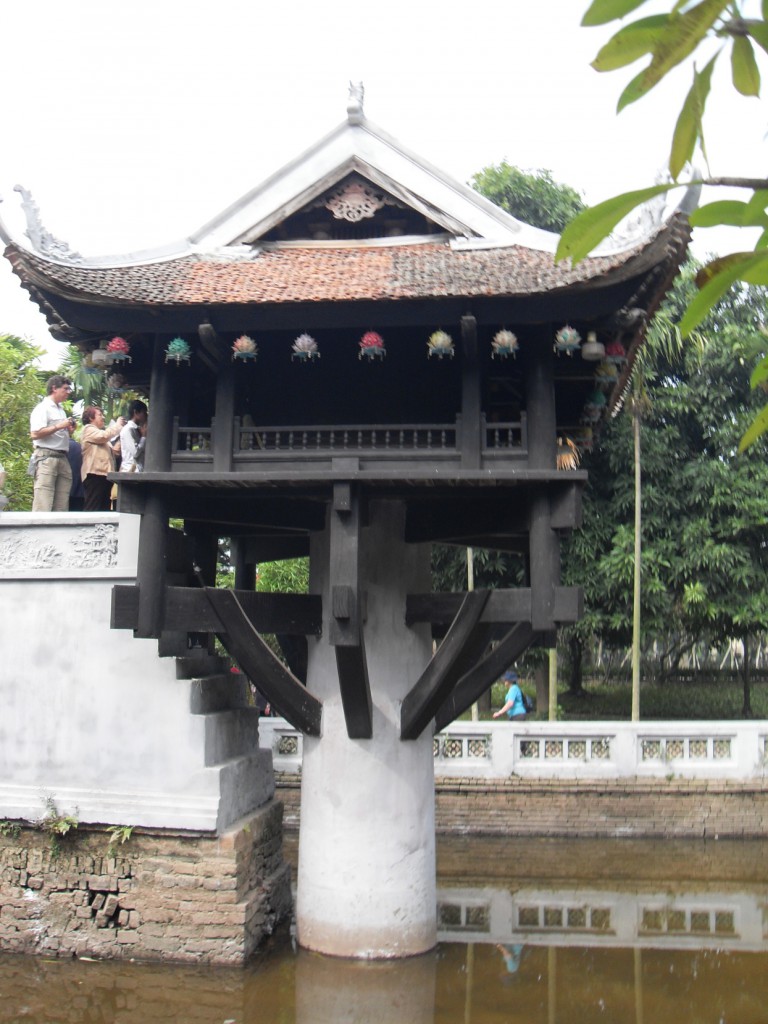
528	703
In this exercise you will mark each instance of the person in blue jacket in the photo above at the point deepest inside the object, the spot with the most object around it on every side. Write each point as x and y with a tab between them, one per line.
514	708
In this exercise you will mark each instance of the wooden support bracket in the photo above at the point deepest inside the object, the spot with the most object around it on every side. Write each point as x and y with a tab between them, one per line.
345	630
452	659
479	678
283	690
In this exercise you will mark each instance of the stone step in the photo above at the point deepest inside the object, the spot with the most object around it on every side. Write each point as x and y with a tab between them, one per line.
224	691
231	734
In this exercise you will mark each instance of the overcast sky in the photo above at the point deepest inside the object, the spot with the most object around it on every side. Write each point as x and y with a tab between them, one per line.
134	124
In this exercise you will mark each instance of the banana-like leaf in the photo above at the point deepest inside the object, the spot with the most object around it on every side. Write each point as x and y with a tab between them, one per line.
630	43
602	11
716	278
744	70
591	226
689	128
757	428
683	34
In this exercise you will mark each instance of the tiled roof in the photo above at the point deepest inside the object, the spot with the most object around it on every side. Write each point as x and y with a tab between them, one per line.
333	274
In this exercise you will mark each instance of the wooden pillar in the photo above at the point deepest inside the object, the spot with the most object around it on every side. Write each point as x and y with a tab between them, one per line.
224	421
151	566
471	410
160	431
245	571
544	543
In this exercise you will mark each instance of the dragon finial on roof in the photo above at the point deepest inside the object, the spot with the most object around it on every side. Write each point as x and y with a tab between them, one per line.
42	240
355	102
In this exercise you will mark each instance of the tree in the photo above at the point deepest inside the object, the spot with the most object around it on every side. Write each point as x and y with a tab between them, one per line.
705	562
691	28
532	196
21	387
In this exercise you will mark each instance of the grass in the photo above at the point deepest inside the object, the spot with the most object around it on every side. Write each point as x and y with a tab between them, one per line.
716	699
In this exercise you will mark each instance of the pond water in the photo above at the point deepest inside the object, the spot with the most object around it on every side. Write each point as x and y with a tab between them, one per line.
530	930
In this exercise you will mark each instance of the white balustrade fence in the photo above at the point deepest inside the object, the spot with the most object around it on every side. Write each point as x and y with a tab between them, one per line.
575	750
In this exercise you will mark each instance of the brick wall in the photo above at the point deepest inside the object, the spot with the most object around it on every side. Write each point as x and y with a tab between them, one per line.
628	807
187	897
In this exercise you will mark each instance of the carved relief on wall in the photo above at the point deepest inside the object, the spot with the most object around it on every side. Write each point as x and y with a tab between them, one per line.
91	547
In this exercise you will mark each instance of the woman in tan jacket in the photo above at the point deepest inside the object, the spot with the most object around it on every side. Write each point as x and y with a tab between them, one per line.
99	444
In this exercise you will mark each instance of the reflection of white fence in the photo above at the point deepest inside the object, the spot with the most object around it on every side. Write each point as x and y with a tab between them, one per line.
590	917
573	750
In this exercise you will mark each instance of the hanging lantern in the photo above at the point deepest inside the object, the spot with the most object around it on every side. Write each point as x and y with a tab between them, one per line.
440	344
567	340
592	350
616	353
504	344
371	346
99	358
305	349
244	348
584	439
594	406
116	382
117	350
178	352
606	375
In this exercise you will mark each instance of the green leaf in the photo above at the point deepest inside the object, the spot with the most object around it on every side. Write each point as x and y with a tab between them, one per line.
600	12
760	373
759	32
744	70
756	429
683	34
728	211
630	43
716	278
689	128
593	225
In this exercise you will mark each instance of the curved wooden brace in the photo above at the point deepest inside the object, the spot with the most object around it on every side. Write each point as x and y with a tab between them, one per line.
283	690
479	678
463	644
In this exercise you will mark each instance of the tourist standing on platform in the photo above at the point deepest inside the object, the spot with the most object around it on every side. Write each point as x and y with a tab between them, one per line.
133	438
50	429
99	444
514	706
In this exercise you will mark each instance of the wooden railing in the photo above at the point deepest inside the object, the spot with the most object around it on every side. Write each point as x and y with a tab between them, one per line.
385	440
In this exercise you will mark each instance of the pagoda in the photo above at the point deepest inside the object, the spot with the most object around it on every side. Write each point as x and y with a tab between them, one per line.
355	360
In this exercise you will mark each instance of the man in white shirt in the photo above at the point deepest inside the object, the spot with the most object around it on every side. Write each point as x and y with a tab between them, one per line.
50	429
133	438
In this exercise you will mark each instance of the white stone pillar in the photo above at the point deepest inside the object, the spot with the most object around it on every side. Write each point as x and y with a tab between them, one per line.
366	878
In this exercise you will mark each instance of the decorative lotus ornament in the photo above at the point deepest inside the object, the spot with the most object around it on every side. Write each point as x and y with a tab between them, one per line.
594	406
606	374
440	344
616	353
567	454
371	346
584	438
116	382
567	340
117	350
504	344
592	350
178	352
244	348
305	349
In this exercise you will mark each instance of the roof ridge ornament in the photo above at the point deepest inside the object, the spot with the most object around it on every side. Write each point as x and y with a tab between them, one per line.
41	238
355	113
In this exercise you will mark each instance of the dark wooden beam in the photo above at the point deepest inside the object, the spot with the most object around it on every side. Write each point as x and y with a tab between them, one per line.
223	435
160	430
346	621
265	670
499	515
503	606
187	609
445	668
544	563
472	685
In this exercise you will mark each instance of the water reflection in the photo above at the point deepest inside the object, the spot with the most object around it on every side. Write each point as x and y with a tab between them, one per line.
546	933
